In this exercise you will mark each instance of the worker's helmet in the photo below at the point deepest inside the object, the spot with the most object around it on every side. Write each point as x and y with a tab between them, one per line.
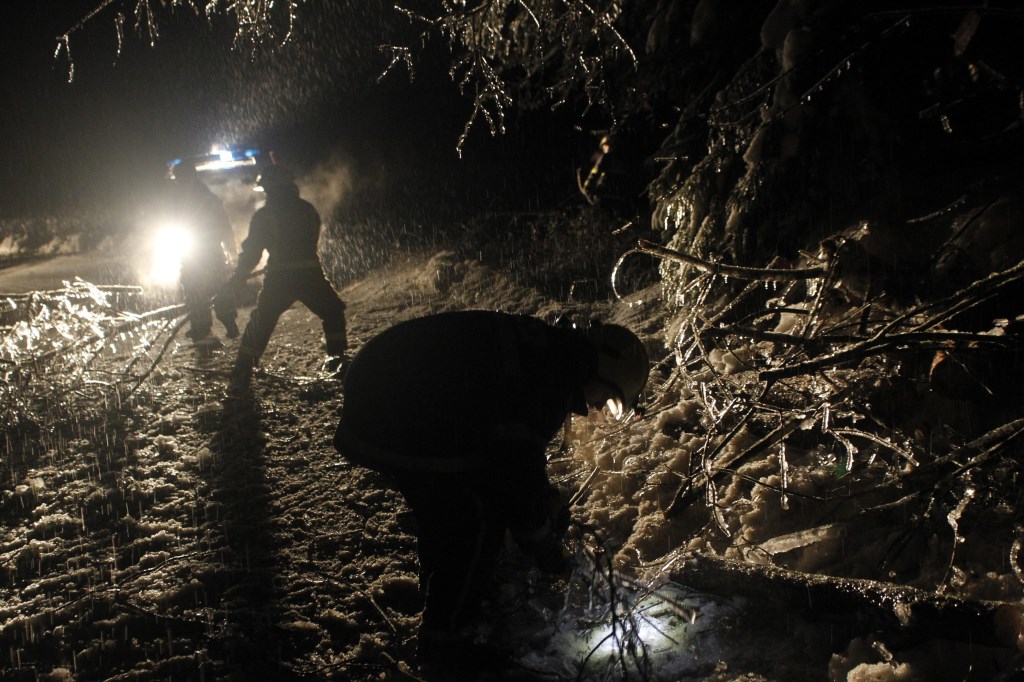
275	176
622	362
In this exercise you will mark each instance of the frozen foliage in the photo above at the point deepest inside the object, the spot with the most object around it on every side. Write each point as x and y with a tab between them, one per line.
66	355
256	23
560	48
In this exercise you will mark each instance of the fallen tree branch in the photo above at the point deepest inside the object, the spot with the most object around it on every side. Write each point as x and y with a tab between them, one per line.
907	612
737	271
698	481
720	462
912	342
949	467
126	322
170	338
71	293
131	321
953	337
958	302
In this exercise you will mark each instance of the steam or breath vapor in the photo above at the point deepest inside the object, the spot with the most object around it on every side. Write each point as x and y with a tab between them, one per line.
327	186
240	201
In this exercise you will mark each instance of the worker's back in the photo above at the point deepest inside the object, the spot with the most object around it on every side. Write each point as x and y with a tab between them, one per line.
289	228
436	391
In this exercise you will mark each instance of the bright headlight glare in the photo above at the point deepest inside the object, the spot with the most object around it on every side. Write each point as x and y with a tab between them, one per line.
171	242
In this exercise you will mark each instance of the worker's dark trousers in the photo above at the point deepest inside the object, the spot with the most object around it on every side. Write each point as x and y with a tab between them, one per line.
200	283
280	291
461	532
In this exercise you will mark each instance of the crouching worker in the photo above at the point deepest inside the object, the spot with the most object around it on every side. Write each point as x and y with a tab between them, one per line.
457	409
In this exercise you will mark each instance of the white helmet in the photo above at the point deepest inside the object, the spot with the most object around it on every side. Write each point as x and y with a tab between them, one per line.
622	362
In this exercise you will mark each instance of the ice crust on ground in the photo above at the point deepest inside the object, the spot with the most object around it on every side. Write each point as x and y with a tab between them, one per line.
202	519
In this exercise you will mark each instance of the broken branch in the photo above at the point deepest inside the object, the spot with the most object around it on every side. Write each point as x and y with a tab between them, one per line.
737	271
894	608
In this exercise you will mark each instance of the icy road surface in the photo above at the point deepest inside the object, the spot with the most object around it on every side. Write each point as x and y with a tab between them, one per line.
100	269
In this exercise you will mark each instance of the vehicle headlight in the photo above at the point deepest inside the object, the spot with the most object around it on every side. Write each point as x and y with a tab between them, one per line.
170	244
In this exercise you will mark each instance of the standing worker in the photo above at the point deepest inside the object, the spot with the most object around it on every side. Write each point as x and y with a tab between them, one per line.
204	265
457	409
288	228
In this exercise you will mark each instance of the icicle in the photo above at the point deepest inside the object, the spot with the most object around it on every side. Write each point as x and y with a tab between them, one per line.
1015	552
784	469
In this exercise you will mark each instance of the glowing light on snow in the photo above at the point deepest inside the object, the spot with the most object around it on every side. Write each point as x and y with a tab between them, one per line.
658	628
170	244
654	631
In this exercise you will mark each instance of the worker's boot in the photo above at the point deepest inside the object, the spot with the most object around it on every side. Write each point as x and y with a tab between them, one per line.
335	366
241	377
230	329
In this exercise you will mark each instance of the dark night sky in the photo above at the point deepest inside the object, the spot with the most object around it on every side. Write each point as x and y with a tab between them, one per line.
122	115
109	131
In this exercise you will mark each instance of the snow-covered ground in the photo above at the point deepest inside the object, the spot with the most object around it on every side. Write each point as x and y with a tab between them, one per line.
179	538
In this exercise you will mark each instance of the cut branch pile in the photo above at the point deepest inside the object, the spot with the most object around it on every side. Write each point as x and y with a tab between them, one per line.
809	368
72	354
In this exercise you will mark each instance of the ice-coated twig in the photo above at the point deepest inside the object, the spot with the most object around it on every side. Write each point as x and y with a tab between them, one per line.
924	614
962	300
578	495
902	343
156	361
616	602
691	484
736	271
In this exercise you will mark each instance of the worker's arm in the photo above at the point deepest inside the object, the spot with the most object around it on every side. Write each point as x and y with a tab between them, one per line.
253	247
538	517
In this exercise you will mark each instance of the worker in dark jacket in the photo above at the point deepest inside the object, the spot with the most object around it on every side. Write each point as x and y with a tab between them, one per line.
204	265
458	409
287	227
